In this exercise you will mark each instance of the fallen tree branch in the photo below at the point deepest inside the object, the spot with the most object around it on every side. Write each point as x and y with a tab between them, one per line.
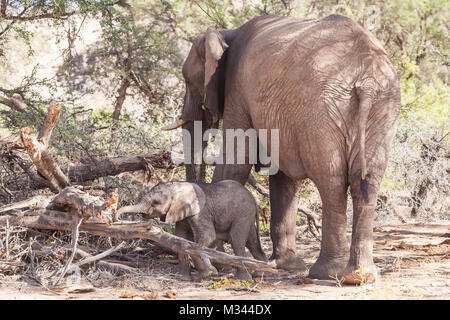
113	266
90	259
56	220
314	227
37	149
81	204
117	165
102	168
57	178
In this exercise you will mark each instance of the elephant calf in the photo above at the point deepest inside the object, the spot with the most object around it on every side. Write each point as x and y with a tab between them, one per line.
204	213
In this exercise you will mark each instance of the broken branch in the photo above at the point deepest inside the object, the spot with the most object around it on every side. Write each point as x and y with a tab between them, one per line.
56	220
113	266
90	259
37	149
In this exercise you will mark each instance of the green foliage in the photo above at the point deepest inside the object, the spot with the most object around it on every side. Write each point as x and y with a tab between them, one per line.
229	283
168	228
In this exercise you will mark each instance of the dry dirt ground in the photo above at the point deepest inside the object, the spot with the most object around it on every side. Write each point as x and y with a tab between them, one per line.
413	262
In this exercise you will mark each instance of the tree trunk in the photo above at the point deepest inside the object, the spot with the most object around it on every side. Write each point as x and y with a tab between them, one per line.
120	100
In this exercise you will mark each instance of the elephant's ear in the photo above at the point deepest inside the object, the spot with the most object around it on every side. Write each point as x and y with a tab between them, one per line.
215	47
188	200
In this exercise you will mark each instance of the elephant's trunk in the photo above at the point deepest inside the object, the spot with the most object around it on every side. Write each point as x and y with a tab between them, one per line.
195	172
135	208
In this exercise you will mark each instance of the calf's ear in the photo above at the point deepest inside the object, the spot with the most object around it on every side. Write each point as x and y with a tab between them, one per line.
187	201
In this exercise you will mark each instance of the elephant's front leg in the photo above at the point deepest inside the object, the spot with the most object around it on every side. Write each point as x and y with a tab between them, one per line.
284	205
183	230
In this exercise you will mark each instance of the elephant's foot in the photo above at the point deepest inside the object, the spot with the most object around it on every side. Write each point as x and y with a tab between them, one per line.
362	274
185	274
327	269
289	262
243	274
258	274
223	268
207	273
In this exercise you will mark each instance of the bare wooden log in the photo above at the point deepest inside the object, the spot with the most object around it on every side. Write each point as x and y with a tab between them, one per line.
117	165
58	179
56	220
102	168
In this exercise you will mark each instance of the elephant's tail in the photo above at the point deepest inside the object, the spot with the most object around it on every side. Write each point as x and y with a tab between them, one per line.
365	91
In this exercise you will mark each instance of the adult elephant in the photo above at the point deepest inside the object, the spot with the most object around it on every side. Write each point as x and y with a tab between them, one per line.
332	91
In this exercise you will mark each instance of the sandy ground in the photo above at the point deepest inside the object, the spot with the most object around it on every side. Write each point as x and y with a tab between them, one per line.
413	262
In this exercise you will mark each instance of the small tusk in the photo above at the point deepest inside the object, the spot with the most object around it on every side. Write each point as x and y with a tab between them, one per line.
175	125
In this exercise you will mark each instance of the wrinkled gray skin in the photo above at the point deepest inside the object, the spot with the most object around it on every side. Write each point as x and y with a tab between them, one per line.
332	91
204	213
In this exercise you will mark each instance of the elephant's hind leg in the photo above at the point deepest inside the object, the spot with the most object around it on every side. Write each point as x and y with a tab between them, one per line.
238	238
334	247
360	266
